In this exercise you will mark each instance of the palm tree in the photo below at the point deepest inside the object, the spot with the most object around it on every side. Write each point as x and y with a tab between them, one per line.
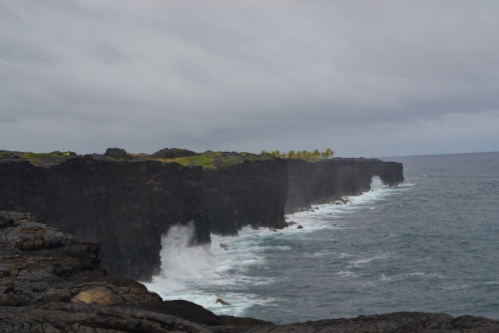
316	154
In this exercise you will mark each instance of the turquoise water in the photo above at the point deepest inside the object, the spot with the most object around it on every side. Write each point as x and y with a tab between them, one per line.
431	244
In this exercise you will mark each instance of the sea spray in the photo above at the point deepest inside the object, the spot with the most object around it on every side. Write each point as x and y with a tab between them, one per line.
180	260
203	274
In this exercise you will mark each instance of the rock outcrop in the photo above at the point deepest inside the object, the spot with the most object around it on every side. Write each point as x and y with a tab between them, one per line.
170	153
51	282
40	263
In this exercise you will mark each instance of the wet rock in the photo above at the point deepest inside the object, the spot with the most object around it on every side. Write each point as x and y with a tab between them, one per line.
224	246
221	301
299	227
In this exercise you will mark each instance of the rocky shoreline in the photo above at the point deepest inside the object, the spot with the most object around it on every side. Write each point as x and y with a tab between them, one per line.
50	282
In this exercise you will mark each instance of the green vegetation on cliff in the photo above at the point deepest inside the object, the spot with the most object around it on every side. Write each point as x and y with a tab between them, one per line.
211	160
208	160
302	154
35	158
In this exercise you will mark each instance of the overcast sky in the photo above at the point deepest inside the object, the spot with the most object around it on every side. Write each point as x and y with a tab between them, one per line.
365	78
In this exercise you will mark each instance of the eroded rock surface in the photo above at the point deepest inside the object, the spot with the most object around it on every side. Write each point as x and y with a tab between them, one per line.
398	322
40	263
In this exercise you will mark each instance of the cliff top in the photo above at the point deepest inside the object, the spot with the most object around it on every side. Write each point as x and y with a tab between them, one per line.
209	160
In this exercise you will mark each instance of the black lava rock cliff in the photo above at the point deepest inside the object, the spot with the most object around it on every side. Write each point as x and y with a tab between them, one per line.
125	206
127	202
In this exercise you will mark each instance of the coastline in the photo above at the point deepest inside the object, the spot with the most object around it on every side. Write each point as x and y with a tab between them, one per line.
51	282
127	201
60	315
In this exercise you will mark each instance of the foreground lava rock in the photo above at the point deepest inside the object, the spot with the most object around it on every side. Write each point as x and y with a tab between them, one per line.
50	283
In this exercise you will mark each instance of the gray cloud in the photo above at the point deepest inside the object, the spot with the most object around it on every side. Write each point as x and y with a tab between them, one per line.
364	78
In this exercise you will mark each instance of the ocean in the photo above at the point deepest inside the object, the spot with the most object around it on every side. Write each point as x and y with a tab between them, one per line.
431	244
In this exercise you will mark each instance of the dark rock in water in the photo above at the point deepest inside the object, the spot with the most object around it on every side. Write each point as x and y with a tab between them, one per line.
173	153
119	154
299	227
224	246
221	301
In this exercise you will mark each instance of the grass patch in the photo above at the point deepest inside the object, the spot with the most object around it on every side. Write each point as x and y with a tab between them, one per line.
34	158
215	160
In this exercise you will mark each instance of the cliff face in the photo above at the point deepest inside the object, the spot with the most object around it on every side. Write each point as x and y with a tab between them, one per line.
126	203
324	181
125	206
258	194
246	194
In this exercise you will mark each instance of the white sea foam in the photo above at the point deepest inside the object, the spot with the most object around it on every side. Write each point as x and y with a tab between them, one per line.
396	278
346	274
365	261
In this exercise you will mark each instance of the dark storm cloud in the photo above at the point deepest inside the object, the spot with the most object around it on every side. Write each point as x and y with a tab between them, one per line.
364	78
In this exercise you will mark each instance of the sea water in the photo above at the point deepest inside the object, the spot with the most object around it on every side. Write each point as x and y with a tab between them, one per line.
431	244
